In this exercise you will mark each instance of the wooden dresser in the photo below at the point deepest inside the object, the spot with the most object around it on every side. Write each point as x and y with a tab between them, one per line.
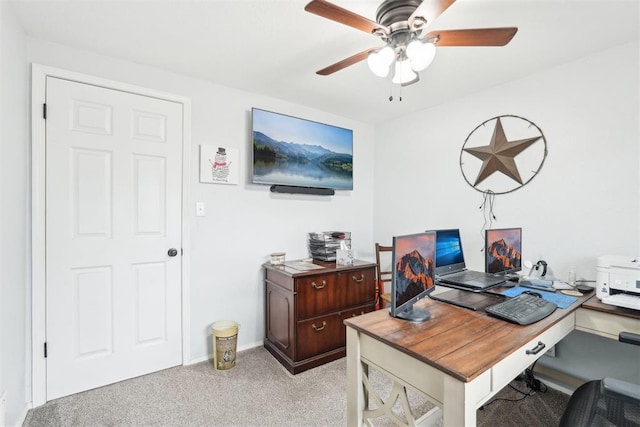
305	309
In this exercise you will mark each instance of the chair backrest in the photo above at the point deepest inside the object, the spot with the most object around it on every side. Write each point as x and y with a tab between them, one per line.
382	274
383	270
609	401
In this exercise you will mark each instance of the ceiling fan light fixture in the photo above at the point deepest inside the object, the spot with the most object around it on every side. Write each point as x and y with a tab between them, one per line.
402	25
420	54
404	73
380	60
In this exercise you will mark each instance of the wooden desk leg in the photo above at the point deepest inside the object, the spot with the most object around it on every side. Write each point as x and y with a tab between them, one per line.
458	407
355	390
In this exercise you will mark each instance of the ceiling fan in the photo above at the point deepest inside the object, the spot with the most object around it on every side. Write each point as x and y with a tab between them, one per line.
401	24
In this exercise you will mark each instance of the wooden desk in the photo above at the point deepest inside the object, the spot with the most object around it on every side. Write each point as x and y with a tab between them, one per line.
458	359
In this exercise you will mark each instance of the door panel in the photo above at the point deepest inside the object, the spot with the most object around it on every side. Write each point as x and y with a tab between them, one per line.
91	195
113	209
151	303
93	307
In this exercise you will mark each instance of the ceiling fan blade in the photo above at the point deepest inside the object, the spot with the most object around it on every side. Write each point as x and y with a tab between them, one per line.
474	37
430	10
343	16
346	62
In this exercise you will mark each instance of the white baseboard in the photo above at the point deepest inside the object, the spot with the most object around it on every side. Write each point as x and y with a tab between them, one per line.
3	409
3	412
554	384
23	415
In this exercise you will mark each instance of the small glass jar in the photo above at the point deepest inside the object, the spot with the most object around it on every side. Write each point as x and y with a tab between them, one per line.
277	258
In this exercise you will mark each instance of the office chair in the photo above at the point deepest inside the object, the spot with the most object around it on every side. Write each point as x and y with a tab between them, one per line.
606	402
382	298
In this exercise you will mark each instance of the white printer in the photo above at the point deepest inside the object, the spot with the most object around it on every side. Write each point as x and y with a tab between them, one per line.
618	280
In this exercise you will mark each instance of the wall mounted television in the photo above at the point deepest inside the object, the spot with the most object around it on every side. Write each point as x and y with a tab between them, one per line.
503	250
413	274
297	152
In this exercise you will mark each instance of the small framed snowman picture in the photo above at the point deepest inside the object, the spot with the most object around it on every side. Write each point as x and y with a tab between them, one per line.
218	165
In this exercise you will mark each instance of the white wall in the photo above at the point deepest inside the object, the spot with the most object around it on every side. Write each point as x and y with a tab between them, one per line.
3	14
583	203
15	355
244	222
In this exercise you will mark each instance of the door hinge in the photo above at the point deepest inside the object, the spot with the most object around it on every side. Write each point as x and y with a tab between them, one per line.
181	251
45	350
44	111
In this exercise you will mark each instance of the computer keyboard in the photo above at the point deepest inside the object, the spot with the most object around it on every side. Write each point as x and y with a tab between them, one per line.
623	300
522	309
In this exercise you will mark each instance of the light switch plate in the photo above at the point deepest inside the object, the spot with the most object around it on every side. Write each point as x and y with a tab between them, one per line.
199	208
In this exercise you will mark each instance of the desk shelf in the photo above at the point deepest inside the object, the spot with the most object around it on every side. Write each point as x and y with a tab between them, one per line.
592	351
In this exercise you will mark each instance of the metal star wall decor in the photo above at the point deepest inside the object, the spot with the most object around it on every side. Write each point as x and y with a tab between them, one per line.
500	155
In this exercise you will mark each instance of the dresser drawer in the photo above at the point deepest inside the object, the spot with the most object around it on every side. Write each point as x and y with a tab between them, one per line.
357	287
357	311
319	335
353	313
317	295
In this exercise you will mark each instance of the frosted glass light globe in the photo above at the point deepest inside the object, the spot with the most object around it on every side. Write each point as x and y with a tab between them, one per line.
420	54
404	73
380	60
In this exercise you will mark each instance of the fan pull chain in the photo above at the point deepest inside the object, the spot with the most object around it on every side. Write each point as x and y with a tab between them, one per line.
487	206
391	93
399	98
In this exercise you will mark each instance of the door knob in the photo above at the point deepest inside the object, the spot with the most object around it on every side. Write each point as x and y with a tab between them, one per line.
172	252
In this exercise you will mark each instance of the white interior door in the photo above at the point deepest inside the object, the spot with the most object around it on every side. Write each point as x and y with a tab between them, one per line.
113	212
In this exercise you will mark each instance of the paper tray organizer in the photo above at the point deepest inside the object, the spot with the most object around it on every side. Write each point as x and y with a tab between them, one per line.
323	245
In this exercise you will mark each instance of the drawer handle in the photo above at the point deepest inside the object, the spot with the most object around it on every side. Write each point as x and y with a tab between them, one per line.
356	314
355	279
316	286
537	349
318	329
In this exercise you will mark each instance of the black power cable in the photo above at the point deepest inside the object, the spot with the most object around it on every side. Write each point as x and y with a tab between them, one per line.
533	384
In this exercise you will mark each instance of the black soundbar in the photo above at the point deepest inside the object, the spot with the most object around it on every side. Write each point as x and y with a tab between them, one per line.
291	189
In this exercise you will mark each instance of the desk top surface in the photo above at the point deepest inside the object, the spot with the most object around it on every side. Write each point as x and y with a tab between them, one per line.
461	342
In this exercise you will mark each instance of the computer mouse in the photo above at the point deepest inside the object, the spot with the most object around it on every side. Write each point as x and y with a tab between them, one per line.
535	294
585	289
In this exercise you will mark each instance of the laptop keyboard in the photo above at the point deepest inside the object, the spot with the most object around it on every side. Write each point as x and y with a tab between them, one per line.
472	278
466	275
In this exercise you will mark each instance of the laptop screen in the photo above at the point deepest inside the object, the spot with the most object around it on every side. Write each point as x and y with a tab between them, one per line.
449	256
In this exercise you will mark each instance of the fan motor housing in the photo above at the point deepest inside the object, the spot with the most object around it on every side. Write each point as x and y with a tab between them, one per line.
393	11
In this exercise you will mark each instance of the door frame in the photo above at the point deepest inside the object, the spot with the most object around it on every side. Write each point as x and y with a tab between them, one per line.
39	74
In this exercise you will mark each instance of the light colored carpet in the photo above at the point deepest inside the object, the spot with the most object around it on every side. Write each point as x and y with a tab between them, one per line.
258	391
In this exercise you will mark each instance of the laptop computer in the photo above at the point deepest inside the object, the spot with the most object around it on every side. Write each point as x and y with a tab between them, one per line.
451	269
